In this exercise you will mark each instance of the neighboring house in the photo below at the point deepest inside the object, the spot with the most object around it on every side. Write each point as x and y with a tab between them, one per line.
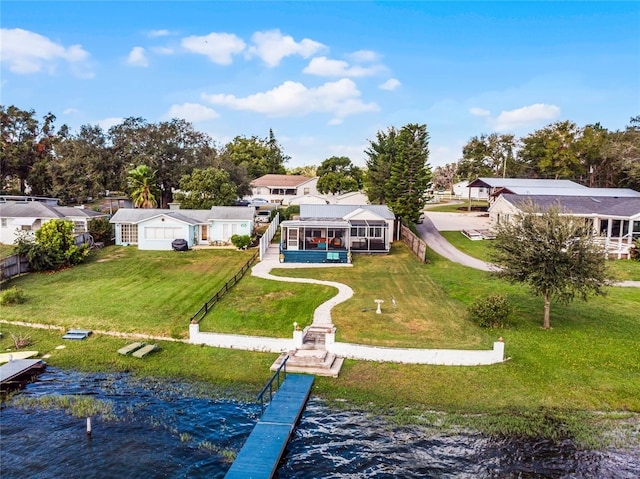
613	213
495	186
155	229
331	233
463	190
18	216
281	189
308	200
351	198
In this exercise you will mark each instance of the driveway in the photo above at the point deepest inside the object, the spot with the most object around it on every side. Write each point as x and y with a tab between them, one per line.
452	222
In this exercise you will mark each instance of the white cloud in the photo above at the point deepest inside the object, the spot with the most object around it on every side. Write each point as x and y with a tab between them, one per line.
28	52
138	57
70	111
162	50
272	46
390	84
158	33
192	112
340	98
527	115
218	47
475	111
107	123
364	56
323	66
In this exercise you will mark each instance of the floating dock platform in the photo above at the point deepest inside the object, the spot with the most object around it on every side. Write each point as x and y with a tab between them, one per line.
261	453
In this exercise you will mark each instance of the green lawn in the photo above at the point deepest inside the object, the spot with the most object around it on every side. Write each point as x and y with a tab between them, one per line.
588	361
6	250
457	206
128	290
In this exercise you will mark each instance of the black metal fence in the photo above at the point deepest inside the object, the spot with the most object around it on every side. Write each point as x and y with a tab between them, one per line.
269	386
202	312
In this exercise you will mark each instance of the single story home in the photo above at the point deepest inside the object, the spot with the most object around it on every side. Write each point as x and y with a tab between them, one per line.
280	189
615	219
18	216
331	233
155	229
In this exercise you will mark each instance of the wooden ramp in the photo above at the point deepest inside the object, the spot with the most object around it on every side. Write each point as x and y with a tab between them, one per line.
261	453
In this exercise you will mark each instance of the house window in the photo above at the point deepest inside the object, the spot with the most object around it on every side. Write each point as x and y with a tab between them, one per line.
306	191
152	233
129	233
26	228
375	232
4	222
79	227
360	231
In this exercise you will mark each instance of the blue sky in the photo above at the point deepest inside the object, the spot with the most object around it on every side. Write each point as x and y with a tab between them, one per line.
326	76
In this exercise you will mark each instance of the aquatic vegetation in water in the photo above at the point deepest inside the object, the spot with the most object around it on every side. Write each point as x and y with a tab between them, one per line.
77	406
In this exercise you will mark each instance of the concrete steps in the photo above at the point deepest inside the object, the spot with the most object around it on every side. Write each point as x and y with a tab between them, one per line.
312	357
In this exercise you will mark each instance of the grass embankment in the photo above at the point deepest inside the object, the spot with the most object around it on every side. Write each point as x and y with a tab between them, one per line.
589	361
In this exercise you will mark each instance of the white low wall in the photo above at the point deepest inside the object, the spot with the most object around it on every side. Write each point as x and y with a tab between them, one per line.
443	357
238	341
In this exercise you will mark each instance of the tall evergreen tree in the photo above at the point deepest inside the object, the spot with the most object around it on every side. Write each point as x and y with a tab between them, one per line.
382	154
410	173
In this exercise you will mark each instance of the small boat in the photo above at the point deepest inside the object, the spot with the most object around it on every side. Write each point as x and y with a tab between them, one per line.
6	357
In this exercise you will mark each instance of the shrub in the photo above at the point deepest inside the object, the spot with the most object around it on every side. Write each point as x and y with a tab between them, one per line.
490	312
12	296
101	230
634	252
241	242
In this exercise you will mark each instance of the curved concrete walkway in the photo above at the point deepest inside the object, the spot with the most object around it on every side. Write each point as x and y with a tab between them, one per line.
322	314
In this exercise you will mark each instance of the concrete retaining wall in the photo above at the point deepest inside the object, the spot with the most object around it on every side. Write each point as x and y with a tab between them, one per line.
444	357
237	341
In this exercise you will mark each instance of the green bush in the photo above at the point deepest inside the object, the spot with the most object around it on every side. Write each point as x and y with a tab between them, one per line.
634	252
490	312
101	230
241	242
12	296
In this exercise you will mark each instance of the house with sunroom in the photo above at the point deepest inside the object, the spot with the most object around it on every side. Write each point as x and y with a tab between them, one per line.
156	229
332	233
17	216
614	215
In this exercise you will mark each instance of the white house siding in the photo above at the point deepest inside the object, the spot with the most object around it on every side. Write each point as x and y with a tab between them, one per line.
223	230
501	210
158	233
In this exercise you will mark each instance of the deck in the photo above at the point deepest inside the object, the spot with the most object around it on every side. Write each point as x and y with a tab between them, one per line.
261	453
16	370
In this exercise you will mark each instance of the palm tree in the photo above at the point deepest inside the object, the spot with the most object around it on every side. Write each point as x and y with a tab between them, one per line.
142	182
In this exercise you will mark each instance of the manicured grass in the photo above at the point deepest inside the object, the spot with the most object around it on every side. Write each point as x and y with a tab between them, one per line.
425	317
589	361
266	308
457	206
478	249
127	290
6	250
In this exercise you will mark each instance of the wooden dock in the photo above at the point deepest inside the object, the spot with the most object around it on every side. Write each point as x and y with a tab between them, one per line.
15	371
261	453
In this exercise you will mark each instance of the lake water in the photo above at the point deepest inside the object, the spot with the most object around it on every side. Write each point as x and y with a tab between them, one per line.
167	430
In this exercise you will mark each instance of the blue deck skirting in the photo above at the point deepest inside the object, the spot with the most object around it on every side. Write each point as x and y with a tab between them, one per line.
261	453
313	256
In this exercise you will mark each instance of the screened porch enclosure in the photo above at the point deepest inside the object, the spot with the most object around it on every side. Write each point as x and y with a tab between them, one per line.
311	237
